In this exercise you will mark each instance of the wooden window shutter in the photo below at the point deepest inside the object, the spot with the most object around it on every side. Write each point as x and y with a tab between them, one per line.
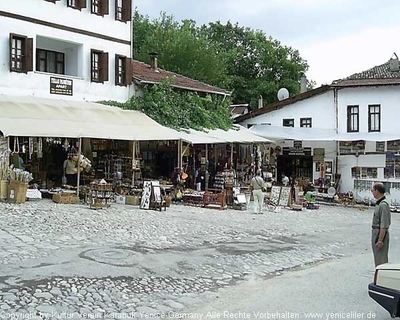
81	4
28	58
10	51
104	7
126	10
128	71
104	66
116	68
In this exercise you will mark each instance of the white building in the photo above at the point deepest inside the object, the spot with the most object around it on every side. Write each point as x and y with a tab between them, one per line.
66	49
361	110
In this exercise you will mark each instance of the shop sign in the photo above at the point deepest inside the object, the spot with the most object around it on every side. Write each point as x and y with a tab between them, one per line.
297	144
61	86
319	154
297	151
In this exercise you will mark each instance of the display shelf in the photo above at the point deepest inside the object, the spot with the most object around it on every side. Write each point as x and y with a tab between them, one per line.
100	195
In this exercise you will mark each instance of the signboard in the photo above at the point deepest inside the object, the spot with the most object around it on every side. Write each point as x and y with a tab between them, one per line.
285	196
297	151
61	86
319	154
297	144
275	193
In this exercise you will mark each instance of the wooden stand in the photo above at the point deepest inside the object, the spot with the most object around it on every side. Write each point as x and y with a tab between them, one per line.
214	200
100	195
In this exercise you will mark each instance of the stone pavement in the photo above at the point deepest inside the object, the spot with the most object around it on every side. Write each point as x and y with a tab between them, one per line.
68	261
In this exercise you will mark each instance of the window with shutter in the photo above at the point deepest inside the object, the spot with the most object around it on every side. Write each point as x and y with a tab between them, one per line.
123	70
21	54
76	4
123	10
99	66
100	7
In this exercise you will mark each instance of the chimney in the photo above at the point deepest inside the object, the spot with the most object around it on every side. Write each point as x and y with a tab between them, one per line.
303	83
394	63
260	102
153	60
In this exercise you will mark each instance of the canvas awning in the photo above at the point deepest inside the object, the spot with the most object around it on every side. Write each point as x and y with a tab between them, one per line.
39	117
281	133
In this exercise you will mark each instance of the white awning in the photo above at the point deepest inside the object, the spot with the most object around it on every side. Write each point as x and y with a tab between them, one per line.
238	134
40	117
281	133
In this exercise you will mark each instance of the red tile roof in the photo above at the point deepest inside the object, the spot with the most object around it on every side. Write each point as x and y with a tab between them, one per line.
377	76
144	74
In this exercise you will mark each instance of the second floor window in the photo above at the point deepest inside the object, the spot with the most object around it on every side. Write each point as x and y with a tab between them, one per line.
288	122
50	61
100	7
305	122
123	10
76	4
352	119
99	66
20	53
374	118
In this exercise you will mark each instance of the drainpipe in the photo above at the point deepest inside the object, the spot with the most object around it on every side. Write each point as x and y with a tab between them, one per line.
79	166
336	110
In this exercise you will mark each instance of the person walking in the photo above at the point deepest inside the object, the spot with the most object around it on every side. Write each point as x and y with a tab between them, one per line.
256	185
380	225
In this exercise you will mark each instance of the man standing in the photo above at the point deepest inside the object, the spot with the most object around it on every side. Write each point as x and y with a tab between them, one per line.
256	185
380	225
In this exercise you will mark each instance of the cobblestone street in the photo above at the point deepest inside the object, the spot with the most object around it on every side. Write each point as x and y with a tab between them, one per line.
71	260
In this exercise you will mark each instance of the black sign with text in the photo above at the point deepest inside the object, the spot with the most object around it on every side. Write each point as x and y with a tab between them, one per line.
297	151
61	86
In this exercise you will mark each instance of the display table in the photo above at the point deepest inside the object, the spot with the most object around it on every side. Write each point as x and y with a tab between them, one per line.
194	198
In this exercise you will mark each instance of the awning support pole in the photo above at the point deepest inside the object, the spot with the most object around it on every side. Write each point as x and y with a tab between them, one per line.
79	166
133	164
232	155
180	153
206	171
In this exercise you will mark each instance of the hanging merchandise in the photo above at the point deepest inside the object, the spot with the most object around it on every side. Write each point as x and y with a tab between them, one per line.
40	148
15	154
66	145
30	147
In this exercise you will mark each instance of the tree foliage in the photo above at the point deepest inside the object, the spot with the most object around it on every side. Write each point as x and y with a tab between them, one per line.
180	109
242	60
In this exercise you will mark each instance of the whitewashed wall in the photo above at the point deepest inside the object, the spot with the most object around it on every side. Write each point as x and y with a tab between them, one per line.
77	55
320	108
388	97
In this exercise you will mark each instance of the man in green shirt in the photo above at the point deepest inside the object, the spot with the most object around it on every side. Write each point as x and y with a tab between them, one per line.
380	225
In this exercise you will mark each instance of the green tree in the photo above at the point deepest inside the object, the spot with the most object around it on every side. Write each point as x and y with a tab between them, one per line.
179	46
256	64
180	109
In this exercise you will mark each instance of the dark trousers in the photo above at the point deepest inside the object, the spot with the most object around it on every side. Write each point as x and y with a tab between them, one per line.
71	179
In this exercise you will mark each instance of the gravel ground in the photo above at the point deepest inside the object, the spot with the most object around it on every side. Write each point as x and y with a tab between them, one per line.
68	261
